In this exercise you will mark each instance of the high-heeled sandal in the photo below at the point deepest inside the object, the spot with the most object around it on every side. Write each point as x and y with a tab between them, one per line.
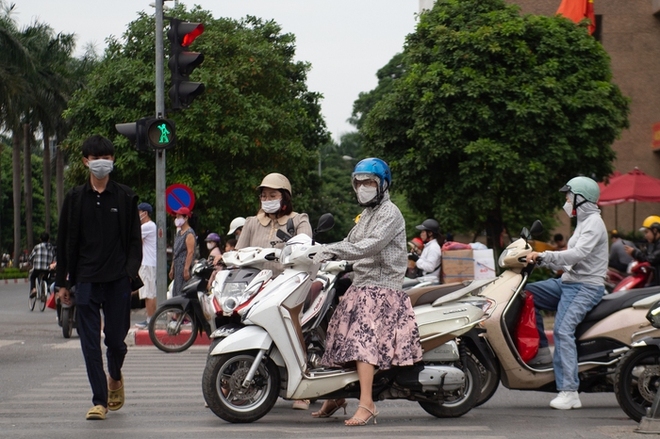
362	422
324	414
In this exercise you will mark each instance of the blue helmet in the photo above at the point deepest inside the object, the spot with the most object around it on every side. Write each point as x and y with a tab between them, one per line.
212	237
377	168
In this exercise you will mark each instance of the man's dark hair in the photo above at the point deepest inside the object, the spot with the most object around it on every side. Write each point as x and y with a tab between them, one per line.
44	237
558	237
97	146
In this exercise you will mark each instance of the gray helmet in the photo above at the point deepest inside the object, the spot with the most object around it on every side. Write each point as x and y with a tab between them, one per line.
584	186
431	225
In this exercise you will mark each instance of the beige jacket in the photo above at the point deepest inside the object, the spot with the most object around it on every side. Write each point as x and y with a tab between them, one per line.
261	231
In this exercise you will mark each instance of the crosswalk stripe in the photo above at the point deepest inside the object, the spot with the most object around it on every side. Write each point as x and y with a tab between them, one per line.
164	399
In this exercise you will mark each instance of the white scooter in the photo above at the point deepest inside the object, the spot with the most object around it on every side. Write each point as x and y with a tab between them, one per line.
248	369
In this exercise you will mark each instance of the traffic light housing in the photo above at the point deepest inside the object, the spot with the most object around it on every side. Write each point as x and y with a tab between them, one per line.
149	133
182	63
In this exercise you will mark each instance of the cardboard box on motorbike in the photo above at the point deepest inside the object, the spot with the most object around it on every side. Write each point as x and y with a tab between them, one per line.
460	265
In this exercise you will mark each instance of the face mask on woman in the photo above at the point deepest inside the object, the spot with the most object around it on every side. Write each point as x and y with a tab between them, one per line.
568	208
210	245
179	222
271	206
366	193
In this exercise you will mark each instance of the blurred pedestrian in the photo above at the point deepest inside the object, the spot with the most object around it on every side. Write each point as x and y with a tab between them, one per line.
619	259
42	255
236	227
431	258
148	292
183	250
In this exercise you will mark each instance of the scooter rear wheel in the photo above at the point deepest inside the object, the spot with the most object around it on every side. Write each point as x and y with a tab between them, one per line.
172	329
461	401
637	380
222	386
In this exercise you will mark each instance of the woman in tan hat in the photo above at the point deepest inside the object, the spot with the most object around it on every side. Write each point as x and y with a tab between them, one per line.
276	213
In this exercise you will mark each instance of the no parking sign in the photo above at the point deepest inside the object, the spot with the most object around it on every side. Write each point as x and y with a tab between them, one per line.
177	196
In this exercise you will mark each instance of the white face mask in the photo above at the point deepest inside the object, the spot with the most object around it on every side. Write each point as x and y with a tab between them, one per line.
143	216
100	167
568	208
179	222
365	194
210	245
271	206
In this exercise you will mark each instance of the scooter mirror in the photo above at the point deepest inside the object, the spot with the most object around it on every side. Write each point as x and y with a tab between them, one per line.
326	222
537	228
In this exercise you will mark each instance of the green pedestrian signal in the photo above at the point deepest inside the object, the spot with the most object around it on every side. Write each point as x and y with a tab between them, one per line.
161	133
149	133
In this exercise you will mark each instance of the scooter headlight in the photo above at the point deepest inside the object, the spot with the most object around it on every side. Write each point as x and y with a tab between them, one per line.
233	294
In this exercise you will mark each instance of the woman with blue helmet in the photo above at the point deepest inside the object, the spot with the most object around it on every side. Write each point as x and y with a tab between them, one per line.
374	325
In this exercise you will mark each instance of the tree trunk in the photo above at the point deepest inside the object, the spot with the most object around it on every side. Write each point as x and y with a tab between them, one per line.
59	176
27	183
16	187
494	229
47	181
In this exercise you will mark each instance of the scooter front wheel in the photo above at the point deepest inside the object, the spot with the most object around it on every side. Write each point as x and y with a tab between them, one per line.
637	380
173	329
222	385
461	401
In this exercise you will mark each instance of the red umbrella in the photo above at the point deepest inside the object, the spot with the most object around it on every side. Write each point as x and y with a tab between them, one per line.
633	186
610	179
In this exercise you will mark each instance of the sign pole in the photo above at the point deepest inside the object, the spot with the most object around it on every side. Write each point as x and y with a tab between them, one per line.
161	219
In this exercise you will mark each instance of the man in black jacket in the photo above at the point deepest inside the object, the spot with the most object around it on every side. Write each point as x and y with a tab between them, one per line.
99	251
651	230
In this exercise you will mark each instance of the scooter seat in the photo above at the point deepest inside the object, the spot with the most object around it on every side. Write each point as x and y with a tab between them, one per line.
616	301
426	295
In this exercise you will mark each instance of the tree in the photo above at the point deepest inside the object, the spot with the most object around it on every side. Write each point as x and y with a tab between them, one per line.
494	112
255	117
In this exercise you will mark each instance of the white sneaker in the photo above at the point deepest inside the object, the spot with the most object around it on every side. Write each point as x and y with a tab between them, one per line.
566	401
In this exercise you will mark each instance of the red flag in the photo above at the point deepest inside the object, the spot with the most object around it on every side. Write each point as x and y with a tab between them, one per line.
578	10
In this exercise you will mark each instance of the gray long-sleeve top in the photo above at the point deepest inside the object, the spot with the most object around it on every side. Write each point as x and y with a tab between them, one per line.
585	260
378	244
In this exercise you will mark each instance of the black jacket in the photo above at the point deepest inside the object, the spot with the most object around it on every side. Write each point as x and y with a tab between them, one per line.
652	256
68	234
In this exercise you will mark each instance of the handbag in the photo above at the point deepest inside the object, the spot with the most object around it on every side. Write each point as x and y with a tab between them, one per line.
50	302
526	335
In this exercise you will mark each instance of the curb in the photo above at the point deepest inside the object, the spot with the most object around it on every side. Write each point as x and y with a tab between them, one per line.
25	280
140	337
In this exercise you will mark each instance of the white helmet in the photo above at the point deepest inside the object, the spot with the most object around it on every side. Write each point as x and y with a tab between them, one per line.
236	223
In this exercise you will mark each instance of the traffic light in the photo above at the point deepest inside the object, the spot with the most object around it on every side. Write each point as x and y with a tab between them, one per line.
135	132
182	63
149	133
161	133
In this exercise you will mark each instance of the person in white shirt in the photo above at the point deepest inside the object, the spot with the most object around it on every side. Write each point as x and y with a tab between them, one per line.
430	260
148	266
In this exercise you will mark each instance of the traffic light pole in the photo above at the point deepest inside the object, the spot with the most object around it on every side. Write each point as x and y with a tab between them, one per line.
161	219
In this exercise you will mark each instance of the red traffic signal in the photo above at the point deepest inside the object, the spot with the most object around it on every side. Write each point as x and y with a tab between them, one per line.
182	63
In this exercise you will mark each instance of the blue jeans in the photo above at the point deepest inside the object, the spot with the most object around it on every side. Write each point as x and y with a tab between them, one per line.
572	301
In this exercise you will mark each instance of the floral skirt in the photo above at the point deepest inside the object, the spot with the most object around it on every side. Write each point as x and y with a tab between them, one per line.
374	325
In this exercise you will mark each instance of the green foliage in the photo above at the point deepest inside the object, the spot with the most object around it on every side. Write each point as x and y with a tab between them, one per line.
255	117
493	113
13	273
6	201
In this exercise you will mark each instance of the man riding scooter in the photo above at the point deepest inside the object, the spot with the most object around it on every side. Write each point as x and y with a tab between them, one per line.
580	288
651	230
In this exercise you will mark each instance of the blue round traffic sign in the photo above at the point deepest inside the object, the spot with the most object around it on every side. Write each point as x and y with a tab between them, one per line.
177	196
